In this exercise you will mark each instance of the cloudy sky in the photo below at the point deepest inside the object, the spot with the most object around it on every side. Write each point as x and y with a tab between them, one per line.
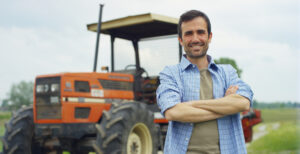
43	37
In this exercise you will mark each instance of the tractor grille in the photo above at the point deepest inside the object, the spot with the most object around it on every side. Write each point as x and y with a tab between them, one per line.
116	85
82	112
48	102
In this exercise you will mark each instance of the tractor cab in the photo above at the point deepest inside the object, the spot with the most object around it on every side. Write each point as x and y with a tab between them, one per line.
135	29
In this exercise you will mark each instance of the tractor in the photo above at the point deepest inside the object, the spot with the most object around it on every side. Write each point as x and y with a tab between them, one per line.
103	112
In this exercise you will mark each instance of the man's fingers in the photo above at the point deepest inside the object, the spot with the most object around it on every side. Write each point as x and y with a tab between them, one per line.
236	87
231	90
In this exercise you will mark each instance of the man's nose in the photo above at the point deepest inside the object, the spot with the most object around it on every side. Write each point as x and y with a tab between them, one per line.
195	38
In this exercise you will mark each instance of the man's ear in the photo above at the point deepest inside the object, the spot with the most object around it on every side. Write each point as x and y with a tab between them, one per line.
210	37
180	40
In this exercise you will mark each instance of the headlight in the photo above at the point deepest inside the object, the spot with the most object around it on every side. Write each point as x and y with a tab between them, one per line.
55	87
40	88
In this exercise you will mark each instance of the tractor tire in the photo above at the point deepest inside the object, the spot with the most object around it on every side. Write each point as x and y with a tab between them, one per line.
19	134
127	128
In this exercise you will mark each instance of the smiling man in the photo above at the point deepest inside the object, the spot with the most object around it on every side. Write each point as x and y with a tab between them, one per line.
202	100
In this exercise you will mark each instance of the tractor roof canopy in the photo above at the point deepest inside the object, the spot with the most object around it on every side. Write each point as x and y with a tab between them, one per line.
134	28
138	26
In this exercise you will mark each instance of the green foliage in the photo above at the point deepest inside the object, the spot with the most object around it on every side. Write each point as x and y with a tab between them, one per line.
224	60
4	117
20	94
285	139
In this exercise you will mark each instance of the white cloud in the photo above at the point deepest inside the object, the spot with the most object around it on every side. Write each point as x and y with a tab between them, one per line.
51	36
269	67
298	79
27	52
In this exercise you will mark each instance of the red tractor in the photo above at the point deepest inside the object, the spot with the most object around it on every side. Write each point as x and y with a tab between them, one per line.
112	112
249	119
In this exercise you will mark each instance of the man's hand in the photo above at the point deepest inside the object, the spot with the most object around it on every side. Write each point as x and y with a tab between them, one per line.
231	103
231	90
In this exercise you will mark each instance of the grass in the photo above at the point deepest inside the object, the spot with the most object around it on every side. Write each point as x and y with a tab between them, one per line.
279	115
4	116
285	139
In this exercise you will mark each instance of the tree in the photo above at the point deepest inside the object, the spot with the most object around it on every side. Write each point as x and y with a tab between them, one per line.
224	60
255	103
20	94
5	104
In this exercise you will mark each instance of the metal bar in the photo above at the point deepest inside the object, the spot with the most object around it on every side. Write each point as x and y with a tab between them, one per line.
136	51
112	42
180	52
98	36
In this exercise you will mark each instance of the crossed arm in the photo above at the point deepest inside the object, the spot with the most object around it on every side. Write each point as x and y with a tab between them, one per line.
204	110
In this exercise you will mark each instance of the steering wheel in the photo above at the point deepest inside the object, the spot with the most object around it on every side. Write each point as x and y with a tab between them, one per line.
140	72
130	65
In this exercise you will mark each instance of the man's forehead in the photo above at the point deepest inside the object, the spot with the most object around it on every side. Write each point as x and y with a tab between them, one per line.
198	22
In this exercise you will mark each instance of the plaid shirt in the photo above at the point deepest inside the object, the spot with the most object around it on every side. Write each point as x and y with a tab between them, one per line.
181	83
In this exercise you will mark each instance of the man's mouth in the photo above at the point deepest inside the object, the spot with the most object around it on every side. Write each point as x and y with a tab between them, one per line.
196	44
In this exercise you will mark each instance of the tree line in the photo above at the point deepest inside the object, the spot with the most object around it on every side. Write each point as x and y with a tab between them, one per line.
20	94
275	105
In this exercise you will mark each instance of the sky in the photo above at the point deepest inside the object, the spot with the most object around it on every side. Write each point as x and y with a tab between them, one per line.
45	37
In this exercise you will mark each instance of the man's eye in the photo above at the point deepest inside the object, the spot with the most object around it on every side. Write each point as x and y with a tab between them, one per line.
201	32
188	33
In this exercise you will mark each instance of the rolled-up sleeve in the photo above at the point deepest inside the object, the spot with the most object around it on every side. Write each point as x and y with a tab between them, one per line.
244	89
168	93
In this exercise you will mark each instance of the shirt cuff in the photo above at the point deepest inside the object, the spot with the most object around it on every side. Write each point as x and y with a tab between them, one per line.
248	95
166	105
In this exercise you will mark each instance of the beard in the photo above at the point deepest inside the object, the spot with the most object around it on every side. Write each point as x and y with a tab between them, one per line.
196	54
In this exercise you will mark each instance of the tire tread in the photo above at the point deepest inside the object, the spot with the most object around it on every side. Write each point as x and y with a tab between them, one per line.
13	134
117	124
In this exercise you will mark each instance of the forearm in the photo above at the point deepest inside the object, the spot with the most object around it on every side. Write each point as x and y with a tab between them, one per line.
227	105
185	112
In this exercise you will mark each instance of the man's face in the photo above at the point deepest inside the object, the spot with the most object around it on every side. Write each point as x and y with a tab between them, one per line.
195	38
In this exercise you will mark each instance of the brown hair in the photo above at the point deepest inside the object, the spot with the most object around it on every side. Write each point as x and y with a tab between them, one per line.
190	15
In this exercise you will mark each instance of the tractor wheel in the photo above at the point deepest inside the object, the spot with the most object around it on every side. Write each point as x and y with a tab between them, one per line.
19	134
128	128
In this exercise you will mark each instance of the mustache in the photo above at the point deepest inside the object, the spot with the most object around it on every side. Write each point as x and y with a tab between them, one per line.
196	43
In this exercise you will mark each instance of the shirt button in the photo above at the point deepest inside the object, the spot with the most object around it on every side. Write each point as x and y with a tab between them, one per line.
186	139
191	124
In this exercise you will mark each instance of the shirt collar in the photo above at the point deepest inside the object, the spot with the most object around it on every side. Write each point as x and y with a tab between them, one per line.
185	63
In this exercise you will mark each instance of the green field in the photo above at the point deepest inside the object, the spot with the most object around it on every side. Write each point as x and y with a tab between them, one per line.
280	115
285	139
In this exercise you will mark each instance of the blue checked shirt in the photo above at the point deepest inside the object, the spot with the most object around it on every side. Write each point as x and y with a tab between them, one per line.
181	83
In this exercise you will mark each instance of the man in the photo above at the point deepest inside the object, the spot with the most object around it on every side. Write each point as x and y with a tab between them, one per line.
202	100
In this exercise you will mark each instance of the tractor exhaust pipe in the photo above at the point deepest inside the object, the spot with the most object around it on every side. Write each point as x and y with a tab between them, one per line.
98	36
